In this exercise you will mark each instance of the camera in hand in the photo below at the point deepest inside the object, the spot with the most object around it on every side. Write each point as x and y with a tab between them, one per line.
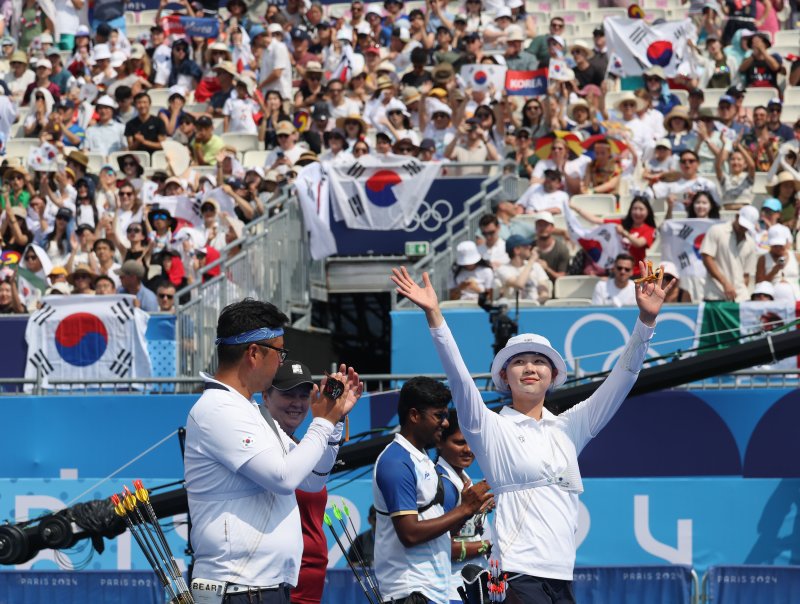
503	326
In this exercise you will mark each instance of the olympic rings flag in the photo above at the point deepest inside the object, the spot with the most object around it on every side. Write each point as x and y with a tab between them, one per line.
87	338
379	193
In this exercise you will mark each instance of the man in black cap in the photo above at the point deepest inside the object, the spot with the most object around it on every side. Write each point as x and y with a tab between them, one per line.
783	132
761	68
289	396
427	150
600	58
320	124
418	75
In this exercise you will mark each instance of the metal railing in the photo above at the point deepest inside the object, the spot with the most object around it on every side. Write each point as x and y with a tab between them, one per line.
273	263
463	227
377	383
269	262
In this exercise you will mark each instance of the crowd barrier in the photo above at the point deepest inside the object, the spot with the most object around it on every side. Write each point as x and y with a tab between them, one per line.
95	586
750	584
592	584
595	585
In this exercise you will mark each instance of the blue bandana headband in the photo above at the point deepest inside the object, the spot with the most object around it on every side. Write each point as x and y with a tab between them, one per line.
254	335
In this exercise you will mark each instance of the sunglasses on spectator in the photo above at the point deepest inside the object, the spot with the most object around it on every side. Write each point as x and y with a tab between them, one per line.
126	193
134	230
557	25
283	135
128	164
30	257
623	269
160	216
774	109
17	177
522	135
314	77
395	112
685	162
483	114
405	149
166	296
489	233
437	116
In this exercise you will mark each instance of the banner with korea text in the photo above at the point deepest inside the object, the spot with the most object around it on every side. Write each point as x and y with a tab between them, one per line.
634	45
379	193
527	83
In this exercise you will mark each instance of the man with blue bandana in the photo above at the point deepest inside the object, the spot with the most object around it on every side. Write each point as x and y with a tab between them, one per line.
242	470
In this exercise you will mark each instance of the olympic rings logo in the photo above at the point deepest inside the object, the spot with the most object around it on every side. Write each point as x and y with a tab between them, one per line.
431	217
625	335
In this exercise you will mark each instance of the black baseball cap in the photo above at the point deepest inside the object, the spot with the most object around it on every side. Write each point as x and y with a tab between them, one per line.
735	91
290	375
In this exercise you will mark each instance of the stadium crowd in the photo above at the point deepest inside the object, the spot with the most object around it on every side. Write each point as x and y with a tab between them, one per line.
116	126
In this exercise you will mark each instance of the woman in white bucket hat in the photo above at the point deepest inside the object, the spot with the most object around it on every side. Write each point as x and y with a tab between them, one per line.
528	455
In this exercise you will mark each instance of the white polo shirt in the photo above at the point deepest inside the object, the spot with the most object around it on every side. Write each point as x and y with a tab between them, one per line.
404	480
241	532
606	293
535	527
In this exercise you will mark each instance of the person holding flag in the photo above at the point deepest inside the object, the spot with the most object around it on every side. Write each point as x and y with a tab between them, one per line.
529	455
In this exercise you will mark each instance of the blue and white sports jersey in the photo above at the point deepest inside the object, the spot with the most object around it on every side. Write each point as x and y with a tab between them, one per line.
404	480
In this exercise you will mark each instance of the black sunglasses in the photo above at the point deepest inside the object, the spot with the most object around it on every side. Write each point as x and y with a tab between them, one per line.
282	352
166	296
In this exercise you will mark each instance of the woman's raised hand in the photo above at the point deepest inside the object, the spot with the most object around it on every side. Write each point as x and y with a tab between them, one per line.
424	297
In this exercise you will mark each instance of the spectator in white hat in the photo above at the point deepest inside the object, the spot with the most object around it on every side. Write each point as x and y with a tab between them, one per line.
439	129
471	275
38	119
729	254
43	69
779	264
107	135
20	77
172	114
494	36
276	64
103	74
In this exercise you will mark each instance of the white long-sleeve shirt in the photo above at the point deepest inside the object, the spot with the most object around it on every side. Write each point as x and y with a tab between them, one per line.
240	485
535	527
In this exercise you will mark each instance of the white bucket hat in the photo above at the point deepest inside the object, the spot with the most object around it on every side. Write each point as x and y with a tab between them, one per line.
527	342
779	234
467	253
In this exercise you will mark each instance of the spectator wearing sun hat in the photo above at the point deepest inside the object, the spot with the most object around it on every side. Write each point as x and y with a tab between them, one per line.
276	64
471	275
19	77
107	135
